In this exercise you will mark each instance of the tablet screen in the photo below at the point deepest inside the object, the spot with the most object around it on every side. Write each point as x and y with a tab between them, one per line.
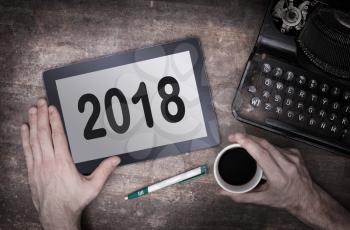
131	107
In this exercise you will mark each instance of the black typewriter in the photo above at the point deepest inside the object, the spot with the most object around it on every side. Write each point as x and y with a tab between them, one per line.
297	79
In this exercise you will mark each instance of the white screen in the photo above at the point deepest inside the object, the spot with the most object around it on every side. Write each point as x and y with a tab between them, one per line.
127	79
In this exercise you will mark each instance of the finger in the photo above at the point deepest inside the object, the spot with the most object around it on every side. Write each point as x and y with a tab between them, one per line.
103	171
277	153
26	148
58	136
251	197
33	132
259	153
44	130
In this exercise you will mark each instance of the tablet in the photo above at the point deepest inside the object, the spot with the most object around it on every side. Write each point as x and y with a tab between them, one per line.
139	105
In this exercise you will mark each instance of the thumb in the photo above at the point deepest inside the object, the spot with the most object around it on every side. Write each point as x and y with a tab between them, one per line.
250	197
103	171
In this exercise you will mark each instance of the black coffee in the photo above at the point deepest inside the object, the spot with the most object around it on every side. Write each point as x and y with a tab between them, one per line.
236	166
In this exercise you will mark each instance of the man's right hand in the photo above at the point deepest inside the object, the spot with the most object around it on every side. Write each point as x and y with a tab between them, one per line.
289	186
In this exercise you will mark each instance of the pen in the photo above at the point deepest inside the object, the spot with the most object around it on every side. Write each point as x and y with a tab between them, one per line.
201	170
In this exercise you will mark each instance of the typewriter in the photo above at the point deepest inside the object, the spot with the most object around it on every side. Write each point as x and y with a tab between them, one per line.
297	79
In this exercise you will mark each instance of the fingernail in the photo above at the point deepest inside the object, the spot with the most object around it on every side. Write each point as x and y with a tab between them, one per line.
239	135
116	161
32	110
24	127
51	109
41	102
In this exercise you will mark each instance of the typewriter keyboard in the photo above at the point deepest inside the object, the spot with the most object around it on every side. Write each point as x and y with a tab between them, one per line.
278	96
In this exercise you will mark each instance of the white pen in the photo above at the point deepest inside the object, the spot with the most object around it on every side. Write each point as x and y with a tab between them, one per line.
201	170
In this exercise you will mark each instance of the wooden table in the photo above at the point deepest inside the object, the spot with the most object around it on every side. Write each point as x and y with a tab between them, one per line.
39	35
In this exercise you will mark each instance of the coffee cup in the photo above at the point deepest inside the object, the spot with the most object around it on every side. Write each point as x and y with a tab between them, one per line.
236	171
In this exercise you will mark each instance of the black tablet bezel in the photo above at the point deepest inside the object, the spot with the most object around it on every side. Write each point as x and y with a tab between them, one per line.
189	44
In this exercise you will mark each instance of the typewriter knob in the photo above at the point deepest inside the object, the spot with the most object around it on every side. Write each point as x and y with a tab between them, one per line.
325	41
